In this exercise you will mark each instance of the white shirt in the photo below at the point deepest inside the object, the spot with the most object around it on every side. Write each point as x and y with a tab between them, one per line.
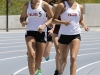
74	17
36	17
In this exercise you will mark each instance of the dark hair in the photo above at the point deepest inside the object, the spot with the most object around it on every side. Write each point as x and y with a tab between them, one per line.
52	2
64	0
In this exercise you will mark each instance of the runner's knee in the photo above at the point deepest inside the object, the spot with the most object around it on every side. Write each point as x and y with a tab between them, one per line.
31	56
73	58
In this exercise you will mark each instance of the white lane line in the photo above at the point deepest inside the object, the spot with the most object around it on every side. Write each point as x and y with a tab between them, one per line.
89	44
87	65
11	37
12	58
13	46
52	47
90	38
20	70
25	45
20	36
88	54
15	58
89	48
51	52
49	61
23	38
24	42
18	51
11	43
12	51
27	67
90	41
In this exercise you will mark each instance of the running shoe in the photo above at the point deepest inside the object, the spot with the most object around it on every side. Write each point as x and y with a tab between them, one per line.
56	72
39	72
47	58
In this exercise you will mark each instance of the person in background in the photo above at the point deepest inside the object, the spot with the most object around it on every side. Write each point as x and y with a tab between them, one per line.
49	41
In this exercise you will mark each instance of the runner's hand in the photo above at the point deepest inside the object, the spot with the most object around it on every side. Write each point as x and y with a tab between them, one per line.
86	28
24	23
67	23
41	28
50	32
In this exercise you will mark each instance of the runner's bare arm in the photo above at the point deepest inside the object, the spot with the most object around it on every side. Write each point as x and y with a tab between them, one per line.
60	9
49	12
82	23
23	16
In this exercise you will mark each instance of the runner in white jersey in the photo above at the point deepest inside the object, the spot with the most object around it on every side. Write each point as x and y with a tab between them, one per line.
35	12
71	14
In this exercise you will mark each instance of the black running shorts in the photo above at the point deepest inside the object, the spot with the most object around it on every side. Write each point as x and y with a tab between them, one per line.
49	37
66	39
39	37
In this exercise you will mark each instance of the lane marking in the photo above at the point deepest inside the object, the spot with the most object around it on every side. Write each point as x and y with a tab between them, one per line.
13	46
90	41
92	70
24	42
23	39
88	54
51	52
13	51
22	35
18	51
25	45
11	37
89	44
87	66
11	43
12	58
27	67
45	62
91	37
88	48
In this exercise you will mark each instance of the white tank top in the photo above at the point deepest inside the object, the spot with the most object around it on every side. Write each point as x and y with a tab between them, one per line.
74	17
36	17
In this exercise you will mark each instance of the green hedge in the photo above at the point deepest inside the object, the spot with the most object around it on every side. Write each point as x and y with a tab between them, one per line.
88	1
15	6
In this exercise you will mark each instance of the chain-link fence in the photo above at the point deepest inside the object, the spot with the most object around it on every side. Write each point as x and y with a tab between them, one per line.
10	11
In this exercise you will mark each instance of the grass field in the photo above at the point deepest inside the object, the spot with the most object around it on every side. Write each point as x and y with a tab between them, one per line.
15	6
